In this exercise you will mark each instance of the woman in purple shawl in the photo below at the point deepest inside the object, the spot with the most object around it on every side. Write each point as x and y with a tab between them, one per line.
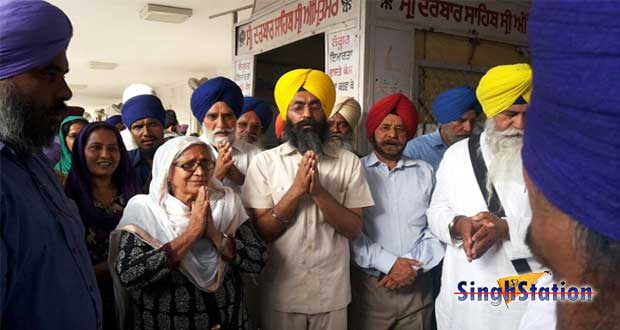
101	181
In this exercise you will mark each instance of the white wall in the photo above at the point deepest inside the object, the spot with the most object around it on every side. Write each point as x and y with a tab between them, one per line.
176	96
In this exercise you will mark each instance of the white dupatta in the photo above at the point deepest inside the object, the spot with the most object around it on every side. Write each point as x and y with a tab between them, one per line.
158	218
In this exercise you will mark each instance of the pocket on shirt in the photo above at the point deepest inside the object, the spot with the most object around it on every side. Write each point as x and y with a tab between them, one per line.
277	193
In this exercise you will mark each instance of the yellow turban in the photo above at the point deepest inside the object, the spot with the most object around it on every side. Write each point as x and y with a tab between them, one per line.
502	86
348	108
314	81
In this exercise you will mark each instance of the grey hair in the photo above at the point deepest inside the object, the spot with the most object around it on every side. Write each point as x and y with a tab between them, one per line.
344	142
505	146
602	252
602	266
13	117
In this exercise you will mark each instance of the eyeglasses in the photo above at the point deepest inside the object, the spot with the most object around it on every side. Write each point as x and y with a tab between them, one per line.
206	165
251	127
299	106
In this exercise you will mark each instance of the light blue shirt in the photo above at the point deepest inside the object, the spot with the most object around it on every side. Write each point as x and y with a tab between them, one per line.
429	148
396	225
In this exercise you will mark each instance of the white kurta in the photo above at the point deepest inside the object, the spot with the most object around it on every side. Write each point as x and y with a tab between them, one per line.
242	155
540	315
457	193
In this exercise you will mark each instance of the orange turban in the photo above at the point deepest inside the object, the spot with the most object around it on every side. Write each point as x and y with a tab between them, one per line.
279	127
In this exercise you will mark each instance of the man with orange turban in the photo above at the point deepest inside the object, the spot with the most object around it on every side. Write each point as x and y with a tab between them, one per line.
306	198
392	288
480	208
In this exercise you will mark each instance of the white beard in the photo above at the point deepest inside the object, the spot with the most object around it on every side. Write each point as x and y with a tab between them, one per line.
345	143
216	140
258	143
505	148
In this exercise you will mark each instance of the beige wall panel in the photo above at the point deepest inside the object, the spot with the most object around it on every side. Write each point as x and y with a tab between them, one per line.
450	49
493	54
446	48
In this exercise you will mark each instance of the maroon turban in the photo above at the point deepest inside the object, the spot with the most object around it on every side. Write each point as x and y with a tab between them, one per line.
401	105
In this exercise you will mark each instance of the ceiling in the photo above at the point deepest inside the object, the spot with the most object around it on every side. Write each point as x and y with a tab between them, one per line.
158	54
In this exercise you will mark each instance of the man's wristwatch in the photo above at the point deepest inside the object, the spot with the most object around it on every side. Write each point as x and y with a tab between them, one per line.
451	226
276	218
225	239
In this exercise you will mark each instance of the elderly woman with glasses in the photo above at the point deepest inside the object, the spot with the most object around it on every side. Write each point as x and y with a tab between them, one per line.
178	251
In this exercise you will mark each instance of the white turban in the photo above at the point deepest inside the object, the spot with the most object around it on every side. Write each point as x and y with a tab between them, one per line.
348	108
137	89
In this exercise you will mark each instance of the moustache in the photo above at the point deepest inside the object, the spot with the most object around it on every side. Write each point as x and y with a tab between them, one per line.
57	113
511	132
391	142
245	134
223	130
310	122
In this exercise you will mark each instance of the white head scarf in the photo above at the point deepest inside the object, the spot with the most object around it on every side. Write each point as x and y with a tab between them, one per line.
159	218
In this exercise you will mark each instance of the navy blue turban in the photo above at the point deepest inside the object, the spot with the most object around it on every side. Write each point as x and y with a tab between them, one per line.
260	107
140	107
215	90
114	120
32	33
572	146
453	103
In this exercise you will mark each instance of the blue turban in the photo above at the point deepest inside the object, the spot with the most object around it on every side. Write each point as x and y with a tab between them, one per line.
32	33
142	106
571	146
114	120
260	107
453	103
215	90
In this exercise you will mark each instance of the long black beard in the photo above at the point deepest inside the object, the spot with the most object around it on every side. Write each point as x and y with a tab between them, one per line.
22	124
307	139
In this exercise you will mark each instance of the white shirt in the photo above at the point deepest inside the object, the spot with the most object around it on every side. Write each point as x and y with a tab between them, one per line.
457	193
242	155
396	226
540	315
